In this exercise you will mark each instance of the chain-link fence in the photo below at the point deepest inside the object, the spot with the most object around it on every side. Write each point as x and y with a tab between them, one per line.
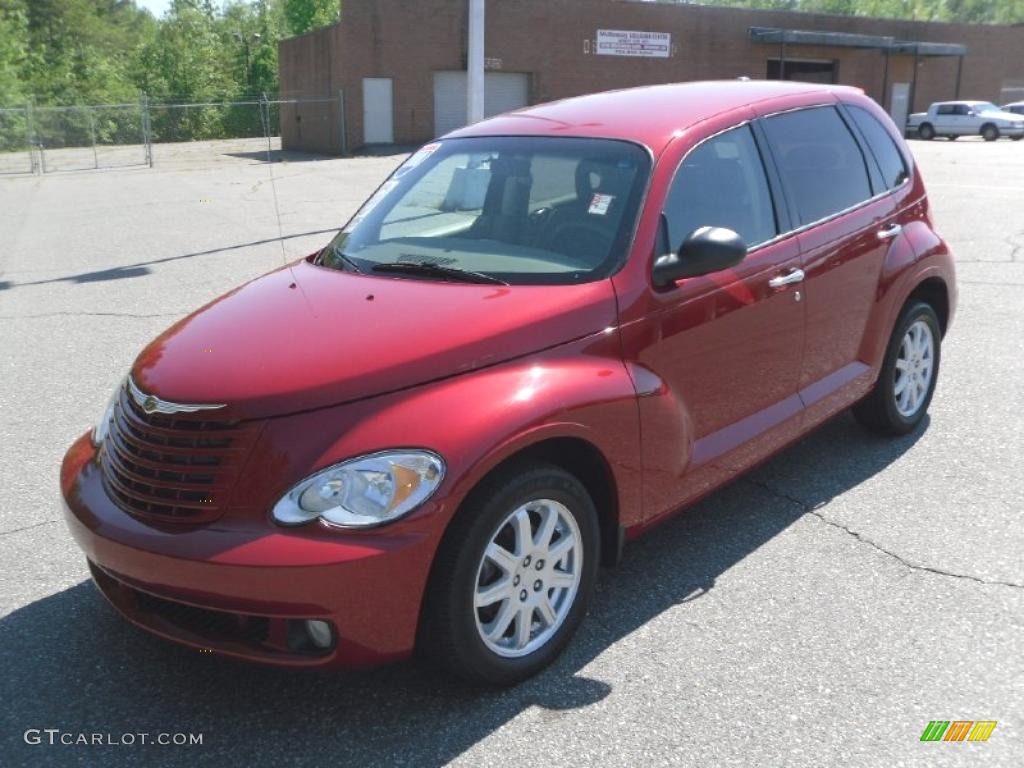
95	136
71	138
16	150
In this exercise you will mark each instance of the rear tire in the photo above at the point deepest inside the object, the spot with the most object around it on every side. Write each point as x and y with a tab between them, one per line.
953	137
502	603
906	383
926	132
989	132
1017	138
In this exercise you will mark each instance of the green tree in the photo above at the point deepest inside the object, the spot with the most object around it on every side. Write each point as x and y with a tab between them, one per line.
13	51
305	15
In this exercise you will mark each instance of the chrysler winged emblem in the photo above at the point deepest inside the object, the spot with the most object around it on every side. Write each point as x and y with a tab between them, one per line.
153	404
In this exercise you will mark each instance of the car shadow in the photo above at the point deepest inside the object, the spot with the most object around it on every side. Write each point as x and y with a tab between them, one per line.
70	663
142	268
281	156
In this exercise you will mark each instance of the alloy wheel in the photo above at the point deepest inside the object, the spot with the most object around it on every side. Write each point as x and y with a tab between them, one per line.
914	368
528	578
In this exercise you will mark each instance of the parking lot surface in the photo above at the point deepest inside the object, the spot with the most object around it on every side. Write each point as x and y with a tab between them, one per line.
818	612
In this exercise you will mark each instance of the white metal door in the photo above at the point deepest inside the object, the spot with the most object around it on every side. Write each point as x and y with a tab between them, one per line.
378	111
503	92
898	106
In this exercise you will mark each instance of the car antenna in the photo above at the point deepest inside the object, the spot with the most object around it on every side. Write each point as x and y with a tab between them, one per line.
265	119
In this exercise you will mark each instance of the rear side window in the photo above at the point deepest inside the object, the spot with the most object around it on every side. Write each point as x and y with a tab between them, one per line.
722	183
880	142
820	162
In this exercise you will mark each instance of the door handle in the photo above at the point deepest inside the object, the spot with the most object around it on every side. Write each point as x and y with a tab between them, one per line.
794	276
888	233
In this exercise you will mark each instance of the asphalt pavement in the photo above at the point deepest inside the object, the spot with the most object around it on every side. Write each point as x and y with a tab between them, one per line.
818	612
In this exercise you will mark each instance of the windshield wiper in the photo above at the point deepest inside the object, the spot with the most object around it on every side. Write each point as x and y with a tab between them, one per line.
336	253
436	270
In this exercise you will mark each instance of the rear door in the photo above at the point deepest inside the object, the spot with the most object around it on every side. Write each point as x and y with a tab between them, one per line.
845	227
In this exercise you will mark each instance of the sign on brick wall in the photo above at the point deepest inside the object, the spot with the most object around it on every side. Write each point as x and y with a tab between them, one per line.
624	42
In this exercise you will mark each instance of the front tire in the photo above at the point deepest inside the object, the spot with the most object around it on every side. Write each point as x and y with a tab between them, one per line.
989	132
926	132
906	383
513	577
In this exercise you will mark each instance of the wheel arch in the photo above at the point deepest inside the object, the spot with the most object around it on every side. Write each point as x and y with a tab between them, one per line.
580	458
935	292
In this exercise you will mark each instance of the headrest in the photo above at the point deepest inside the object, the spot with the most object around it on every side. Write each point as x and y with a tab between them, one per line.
596	175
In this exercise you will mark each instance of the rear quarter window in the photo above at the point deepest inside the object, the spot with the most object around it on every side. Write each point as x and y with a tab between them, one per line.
888	156
820	162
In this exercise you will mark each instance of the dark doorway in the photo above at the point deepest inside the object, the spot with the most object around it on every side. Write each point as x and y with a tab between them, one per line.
805	70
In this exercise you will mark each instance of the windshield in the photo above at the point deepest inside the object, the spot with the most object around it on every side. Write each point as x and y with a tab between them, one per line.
986	106
522	210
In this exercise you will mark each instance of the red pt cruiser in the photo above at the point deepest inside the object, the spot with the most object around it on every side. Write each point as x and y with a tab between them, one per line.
544	334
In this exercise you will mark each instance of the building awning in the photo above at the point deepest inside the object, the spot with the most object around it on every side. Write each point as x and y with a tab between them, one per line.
778	36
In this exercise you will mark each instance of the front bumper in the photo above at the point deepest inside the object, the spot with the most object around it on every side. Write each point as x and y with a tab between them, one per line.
239	586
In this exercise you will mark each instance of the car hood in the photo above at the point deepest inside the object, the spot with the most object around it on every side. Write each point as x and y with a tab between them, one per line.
305	337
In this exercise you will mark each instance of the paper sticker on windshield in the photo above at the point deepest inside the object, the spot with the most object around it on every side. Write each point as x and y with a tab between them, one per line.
599	204
418	157
372	203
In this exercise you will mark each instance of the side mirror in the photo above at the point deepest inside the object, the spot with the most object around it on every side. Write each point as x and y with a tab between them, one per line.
705	250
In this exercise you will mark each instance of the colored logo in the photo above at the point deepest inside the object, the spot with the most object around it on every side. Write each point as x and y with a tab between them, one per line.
958	730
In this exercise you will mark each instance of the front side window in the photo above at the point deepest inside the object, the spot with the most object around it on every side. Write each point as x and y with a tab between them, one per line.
819	160
882	146
722	183
522	210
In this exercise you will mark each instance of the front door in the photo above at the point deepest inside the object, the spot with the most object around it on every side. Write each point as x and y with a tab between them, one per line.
727	346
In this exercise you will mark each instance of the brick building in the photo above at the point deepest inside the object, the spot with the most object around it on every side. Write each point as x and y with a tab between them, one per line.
399	65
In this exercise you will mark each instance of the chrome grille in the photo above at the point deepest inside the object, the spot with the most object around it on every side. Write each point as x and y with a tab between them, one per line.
178	468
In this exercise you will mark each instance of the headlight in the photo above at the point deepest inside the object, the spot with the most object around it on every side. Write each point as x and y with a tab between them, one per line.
102	427
365	491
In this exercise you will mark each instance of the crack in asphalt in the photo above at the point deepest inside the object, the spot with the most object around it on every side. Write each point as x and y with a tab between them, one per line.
812	510
27	527
1016	242
91	314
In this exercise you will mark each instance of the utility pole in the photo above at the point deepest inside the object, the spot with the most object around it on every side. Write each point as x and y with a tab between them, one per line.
475	63
244	40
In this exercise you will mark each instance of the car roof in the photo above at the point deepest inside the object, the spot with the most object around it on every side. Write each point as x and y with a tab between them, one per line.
651	114
1014	104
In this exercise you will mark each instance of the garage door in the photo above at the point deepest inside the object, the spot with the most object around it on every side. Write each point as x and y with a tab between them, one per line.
503	91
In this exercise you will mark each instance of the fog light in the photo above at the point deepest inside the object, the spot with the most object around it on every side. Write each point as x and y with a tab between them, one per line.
320	633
